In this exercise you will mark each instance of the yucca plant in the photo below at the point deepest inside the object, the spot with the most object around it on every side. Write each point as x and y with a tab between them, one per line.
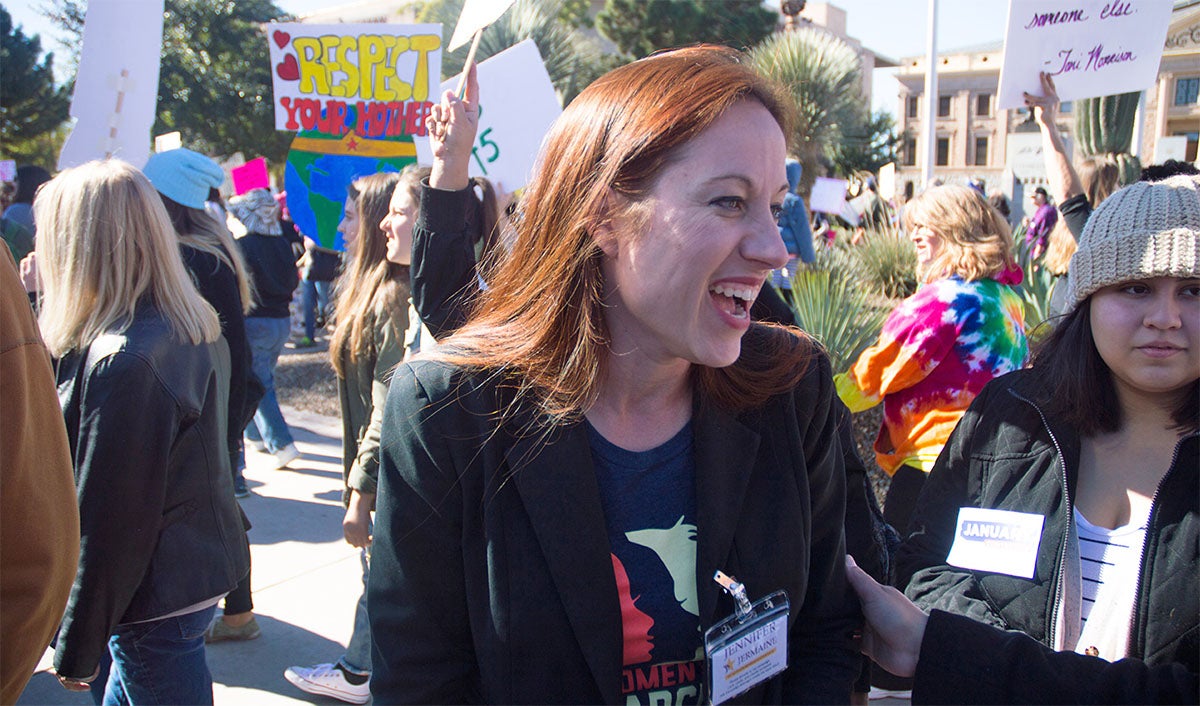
1037	285
887	261
832	307
823	74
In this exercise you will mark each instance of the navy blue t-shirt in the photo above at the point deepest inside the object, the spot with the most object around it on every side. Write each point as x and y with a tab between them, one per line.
649	501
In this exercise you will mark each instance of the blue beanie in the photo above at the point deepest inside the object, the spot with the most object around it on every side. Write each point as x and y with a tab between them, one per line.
184	176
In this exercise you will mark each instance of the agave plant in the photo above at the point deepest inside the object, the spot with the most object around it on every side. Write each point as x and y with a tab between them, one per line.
832	307
887	261
823	74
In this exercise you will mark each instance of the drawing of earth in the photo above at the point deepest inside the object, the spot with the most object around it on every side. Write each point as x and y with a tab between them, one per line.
320	167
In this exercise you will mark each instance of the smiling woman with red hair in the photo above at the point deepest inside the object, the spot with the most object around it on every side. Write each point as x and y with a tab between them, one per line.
560	478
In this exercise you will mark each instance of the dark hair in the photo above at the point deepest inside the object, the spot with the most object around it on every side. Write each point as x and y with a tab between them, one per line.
1169	168
1077	385
29	178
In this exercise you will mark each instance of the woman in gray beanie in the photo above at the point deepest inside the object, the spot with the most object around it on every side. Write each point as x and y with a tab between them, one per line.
1095	448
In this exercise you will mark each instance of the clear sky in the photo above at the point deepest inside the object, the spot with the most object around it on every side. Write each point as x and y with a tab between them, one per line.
892	28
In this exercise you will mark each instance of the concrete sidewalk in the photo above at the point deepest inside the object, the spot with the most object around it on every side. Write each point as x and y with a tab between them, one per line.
306	579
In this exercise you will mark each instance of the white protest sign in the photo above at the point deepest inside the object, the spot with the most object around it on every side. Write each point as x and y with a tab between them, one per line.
168	142
476	14
1091	47
887	181
116	87
828	195
373	79
1173	147
516	109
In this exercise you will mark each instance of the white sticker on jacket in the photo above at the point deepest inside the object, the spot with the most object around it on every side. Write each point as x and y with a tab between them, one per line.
997	541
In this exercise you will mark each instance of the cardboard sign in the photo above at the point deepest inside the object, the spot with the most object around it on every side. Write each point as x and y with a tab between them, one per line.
1025	159
476	14
373	80
8	170
1091	47
828	195
116	87
516	109
168	142
251	175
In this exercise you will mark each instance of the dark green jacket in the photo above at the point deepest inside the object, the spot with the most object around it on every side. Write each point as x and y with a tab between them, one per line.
362	394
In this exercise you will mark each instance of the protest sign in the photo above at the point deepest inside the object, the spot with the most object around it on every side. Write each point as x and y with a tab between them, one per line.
1025	158
251	175
1172	147
1091	47
516	109
8	170
116	86
168	142
887	181
476	14
358	94
828	195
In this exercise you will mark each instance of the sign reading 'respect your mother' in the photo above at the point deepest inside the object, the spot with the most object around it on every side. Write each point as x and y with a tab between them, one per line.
1091	47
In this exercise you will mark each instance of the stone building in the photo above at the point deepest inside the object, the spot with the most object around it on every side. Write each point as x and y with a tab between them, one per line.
1003	147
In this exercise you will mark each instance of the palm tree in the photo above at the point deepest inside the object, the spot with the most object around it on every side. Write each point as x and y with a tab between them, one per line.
823	75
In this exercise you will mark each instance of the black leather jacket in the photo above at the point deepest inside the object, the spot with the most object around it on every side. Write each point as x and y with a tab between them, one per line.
1006	454
160	528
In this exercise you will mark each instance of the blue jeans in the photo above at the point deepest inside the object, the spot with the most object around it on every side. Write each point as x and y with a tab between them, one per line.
158	662
358	651
266	338
316	298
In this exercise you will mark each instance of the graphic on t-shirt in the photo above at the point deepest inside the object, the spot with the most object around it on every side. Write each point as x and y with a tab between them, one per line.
634	622
676	547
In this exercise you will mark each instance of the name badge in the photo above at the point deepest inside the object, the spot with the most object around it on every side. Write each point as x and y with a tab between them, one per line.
749	647
997	541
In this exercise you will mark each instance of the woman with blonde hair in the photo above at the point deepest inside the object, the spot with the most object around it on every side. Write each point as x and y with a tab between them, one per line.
963	327
372	306
143	381
560	477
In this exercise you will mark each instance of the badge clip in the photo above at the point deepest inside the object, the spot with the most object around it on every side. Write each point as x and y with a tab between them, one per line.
734	588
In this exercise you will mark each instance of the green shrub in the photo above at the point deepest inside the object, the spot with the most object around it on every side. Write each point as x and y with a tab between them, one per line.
887	262
834	309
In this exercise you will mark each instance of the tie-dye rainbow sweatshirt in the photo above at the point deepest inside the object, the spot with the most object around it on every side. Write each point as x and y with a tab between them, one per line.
936	352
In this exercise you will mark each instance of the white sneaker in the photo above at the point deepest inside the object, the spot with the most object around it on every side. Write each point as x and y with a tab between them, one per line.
330	680
258	446
877	693
286	455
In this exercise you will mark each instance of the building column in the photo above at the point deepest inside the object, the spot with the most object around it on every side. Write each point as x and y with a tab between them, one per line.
1163	107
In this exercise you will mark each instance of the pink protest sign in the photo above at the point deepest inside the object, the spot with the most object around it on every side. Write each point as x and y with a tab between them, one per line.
251	175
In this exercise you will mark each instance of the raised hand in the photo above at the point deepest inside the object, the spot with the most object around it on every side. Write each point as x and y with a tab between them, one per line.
452	125
1045	106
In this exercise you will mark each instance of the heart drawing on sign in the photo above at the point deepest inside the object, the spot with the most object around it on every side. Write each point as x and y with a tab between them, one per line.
281	38
287	69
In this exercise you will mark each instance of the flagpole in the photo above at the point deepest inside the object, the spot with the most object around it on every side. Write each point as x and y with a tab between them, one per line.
931	96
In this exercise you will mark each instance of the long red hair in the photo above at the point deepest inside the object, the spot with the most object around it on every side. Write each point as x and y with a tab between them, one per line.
541	319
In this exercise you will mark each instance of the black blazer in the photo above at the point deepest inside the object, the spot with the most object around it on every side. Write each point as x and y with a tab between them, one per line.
491	578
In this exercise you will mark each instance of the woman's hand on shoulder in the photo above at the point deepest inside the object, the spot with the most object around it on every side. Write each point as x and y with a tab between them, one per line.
452	125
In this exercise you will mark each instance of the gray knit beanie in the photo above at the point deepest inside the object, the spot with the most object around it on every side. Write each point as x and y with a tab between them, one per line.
1147	229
